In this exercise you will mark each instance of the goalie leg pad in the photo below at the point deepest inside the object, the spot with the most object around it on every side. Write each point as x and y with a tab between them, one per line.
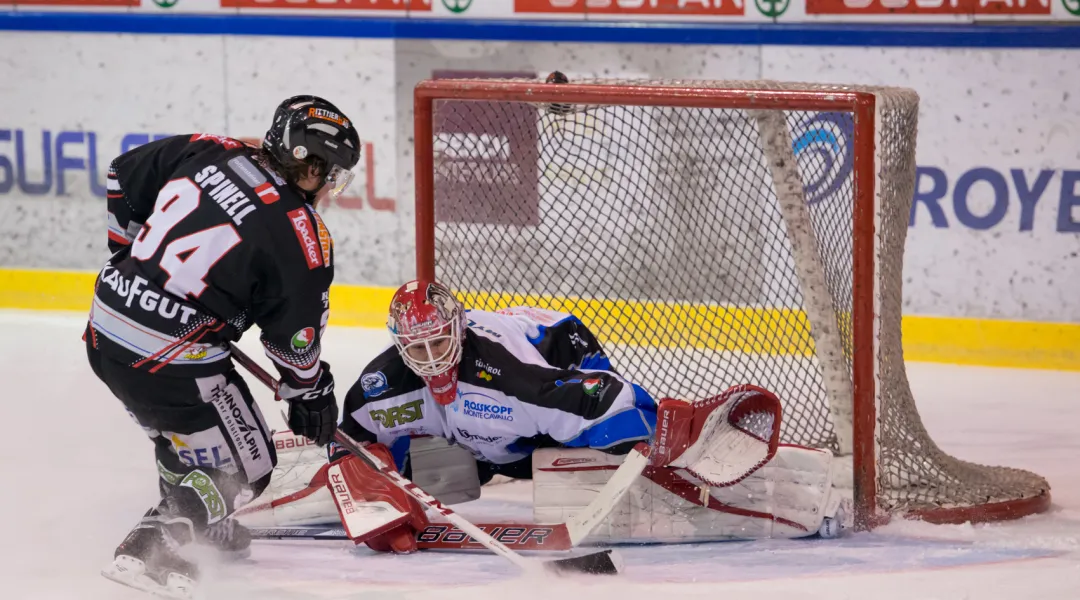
787	498
373	510
297	495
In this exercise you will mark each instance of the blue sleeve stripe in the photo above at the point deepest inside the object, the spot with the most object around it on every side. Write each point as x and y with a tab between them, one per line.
629	425
643	400
399	449
595	362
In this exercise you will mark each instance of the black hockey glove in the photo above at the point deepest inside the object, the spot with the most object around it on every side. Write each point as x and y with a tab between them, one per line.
314	413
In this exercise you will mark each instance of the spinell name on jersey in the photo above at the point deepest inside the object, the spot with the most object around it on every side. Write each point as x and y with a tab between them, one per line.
228	196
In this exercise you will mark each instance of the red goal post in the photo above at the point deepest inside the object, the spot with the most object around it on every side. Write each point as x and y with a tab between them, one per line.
734	123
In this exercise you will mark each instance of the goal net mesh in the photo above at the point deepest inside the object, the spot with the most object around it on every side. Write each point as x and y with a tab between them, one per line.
661	229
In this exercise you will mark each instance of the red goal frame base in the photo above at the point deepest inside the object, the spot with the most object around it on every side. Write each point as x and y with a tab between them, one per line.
983	513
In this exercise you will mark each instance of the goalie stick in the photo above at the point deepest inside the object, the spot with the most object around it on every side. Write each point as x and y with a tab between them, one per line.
443	536
595	563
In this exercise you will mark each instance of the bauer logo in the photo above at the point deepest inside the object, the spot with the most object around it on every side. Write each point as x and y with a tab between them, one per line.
822	146
288	441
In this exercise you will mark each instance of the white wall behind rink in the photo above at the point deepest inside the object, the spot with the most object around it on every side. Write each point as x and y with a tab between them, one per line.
997	218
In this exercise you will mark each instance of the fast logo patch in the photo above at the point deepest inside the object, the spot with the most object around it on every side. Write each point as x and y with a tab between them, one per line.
303	338
398	415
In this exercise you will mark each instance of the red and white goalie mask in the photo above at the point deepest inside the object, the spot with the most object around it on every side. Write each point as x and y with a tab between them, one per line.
427	324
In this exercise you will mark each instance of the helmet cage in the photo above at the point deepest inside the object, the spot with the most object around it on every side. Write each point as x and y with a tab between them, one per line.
420	354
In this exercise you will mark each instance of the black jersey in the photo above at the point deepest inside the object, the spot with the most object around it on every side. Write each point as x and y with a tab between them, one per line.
208	241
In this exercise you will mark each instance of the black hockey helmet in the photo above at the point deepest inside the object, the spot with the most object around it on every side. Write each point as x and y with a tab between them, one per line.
308	131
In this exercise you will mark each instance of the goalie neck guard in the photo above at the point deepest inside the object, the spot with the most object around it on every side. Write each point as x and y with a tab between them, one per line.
427	324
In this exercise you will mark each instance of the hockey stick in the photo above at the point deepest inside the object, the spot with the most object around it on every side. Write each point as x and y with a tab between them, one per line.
595	563
584	522
442	536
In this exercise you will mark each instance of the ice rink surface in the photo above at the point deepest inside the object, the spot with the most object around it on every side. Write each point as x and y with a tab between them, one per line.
78	474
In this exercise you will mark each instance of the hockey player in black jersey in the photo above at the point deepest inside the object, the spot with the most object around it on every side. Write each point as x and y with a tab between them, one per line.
209	237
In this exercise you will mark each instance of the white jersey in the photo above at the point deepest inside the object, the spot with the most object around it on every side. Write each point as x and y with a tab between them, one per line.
528	378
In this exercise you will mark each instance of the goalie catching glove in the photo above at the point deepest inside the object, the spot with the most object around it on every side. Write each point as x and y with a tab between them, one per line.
719	441
373	510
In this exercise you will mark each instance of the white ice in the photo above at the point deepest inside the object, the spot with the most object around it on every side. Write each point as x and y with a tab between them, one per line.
77	474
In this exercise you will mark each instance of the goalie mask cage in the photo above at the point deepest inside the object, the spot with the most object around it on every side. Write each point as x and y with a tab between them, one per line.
710	233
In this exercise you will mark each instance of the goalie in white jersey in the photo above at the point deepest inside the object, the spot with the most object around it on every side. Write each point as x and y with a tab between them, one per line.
505	384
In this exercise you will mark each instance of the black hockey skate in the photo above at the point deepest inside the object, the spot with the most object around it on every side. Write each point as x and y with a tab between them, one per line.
147	559
232	539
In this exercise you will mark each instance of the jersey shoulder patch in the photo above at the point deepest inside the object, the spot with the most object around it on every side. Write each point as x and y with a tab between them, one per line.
387	376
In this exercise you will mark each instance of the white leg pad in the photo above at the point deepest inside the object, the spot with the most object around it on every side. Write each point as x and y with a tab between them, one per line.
786	498
297	494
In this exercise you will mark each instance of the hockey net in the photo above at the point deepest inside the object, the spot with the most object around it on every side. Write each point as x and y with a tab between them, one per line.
710	233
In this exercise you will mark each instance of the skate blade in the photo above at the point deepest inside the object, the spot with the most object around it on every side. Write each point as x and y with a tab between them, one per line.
130	571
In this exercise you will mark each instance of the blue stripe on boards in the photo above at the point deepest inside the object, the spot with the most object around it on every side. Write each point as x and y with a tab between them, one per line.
982	35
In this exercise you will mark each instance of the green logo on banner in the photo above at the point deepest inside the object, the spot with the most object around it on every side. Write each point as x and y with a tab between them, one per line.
773	8
166	3
457	6
1073	6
